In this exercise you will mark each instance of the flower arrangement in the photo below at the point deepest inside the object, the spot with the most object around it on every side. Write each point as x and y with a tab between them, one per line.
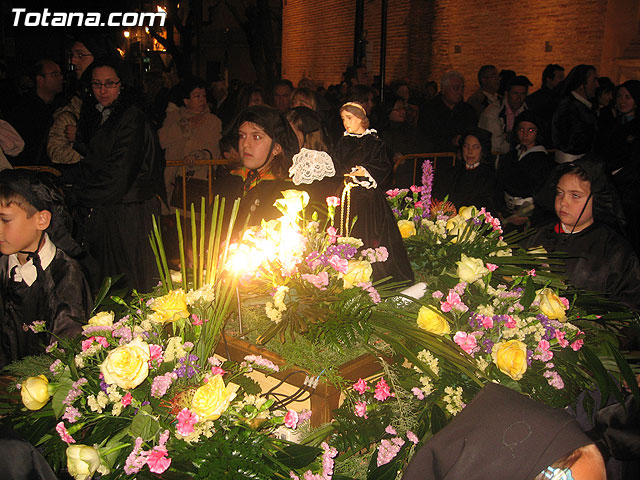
141	392
307	275
131	396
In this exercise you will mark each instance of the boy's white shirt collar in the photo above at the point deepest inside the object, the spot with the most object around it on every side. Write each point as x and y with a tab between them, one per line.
28	272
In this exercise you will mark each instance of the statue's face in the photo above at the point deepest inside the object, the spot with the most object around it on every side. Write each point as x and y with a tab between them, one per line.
352	124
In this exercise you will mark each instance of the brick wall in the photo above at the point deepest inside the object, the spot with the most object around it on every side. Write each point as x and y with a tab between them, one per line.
317	37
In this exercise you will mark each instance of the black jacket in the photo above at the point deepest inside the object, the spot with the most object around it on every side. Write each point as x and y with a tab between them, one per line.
573	127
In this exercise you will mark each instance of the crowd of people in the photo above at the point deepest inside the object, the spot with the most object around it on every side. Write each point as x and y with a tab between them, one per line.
562	159
523	155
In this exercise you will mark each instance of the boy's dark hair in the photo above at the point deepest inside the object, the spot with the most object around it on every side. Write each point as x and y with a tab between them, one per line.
519	81
484	70
283	83
34	192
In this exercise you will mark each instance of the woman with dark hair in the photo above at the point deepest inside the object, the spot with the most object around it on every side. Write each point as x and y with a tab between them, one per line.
115	188
189	133
266	144
523	171
471	181
573	127
401	138
623	155
588	215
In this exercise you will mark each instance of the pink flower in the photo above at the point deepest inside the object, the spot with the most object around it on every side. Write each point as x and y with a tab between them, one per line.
545	353
418	393
333	202
510	322
186	421
418	204
333	234
387	450
86	344
532	272
360	386
382	254
437	294
487	322
319	281
466	342
577	345
453	302
415	189
71	414
565	302
155	352
64	435
561	340
217	370
339	264
103	341
393	193
126	400
361	409
291	419
390	430
383	391
412	437
195	319
158	461
492	267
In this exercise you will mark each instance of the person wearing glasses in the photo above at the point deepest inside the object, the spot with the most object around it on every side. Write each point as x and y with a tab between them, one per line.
62	133
33	114
115	187
524	170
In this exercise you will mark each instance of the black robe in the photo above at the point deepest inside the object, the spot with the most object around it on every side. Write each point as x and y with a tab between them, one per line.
475	187
599	260
59	296
115	190
376	225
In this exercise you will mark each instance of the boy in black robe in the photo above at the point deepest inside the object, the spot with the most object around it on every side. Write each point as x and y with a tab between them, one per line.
39	282
599	259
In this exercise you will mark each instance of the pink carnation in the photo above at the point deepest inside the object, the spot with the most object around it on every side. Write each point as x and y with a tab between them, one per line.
158	461
186	421
291	419
319	281
466	342
126	400
561	340
155	352
412	437
418	393
360	386
577	345
492	267
361	409
383	391
390	430
195	319
333	201
339	264
216	370
64	435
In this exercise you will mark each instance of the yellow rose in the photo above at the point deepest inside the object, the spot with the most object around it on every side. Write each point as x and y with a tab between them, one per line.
468	212
170	307
127	365
292	202
471	269
432	321
102	319
407	228
511	358
456	226
213	398
35	392
550	304
358	271
82	461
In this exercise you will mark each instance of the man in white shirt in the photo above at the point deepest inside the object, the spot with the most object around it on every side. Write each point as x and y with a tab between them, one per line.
487	93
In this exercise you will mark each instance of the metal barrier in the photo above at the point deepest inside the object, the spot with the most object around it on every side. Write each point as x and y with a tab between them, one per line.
423	156
212	162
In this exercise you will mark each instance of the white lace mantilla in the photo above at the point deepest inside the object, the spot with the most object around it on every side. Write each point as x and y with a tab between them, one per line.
311	165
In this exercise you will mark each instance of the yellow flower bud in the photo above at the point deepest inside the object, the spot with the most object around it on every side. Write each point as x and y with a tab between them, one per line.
35	392
470	269
551	305
82	461
511	358
213	398
358	271
170	307
407	228
432	321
